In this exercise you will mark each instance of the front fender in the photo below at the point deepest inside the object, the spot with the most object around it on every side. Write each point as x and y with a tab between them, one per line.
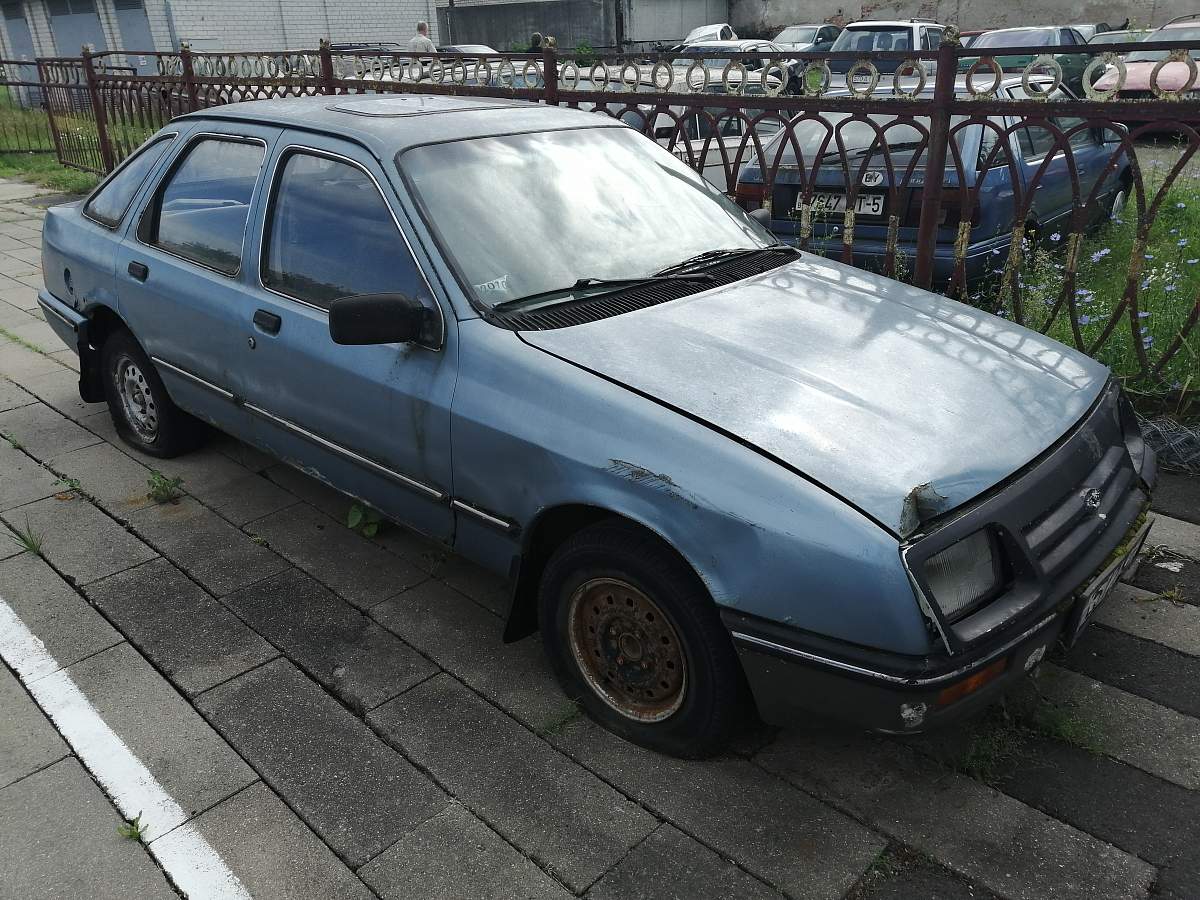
532	432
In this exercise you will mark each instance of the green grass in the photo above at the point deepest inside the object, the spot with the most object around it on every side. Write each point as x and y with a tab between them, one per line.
134	829
1168	288
28	538
164	489
44	169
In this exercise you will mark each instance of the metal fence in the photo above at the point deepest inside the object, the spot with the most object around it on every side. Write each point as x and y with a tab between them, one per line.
1076	217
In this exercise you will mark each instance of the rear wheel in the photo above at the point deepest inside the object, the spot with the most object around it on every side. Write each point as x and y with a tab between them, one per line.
634	637
144	415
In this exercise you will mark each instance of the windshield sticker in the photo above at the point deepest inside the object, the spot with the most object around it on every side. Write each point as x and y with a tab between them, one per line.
496	285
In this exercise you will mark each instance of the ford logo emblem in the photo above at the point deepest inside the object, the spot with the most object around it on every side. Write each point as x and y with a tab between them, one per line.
872	179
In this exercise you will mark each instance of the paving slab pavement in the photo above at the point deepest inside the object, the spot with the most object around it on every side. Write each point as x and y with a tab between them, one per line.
59	841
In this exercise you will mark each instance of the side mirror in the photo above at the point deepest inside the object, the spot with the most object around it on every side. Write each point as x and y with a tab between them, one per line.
376	319
762	216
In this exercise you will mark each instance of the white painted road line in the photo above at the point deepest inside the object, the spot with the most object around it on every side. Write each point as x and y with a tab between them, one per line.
187	858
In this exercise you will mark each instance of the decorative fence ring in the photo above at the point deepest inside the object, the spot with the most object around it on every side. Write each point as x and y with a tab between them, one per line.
728	70
783	78
997	77
917	66
568	76
245	67
376	69
1044	61
864	65
414	70
626	81
272	67
1166	93
437	71
483	72
699	63
458	72
506	73
821	66
662	66
599	82
531	66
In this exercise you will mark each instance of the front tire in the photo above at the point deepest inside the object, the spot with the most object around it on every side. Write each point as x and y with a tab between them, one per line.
634	637
141	410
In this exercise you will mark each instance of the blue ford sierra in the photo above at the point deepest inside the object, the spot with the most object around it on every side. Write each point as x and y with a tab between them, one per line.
724	477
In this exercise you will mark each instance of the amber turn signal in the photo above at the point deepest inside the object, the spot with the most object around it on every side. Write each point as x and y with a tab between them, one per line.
972	683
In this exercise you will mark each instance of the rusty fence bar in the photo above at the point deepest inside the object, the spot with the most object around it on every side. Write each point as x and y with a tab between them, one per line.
1058	194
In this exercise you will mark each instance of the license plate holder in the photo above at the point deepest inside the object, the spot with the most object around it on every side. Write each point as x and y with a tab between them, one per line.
1096	591
830	203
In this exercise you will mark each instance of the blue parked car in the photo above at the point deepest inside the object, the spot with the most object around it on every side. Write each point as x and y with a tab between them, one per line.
723	475
993	215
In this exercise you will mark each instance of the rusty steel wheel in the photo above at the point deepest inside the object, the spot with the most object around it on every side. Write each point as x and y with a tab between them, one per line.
627	650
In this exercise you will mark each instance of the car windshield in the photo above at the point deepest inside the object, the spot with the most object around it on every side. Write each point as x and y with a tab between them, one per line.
1024	37
796	34
890	37
1166	34
529	213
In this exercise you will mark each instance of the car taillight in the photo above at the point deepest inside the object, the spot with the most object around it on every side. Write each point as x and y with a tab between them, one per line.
949	211
750	195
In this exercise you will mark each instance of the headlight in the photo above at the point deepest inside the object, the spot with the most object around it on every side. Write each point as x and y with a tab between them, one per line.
1135	443
964	573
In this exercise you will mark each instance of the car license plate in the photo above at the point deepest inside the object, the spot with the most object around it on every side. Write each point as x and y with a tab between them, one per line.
1099	588
861	78
824	204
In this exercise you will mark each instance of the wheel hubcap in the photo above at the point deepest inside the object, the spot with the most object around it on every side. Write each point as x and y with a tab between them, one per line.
1118	205
137	400
627	649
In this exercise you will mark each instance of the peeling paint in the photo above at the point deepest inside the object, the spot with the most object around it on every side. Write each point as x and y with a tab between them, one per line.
920	504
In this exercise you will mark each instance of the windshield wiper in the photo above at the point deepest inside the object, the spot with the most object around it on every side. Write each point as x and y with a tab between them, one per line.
609	284
713	256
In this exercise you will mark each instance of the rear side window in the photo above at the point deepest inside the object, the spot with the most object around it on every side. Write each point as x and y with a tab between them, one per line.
330	234
109	205
202	208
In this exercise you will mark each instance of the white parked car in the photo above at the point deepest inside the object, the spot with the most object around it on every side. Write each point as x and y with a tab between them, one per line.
807	37
886	35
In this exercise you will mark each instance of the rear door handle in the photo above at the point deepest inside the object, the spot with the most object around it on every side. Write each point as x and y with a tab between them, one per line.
138	270
267	321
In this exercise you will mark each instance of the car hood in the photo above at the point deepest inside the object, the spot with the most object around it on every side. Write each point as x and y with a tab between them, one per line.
889	396
1171	77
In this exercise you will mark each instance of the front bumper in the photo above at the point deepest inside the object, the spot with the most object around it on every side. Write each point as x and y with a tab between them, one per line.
1059	546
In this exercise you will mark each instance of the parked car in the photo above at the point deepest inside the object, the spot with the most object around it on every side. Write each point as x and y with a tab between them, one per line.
967	38
878	36
807	37
862	499
722	31
1140	64
1128	36
993	215
472	49
1090	30
1072	64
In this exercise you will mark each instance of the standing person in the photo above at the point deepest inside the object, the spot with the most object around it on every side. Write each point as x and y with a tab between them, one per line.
420	42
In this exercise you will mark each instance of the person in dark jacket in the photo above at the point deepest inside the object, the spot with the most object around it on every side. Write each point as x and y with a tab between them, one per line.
535	43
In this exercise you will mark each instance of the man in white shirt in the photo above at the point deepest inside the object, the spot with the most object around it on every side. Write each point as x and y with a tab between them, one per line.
420	42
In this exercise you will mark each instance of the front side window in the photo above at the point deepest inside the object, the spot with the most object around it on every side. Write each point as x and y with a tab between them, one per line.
202	208
330	234
109	204
522	214
888	37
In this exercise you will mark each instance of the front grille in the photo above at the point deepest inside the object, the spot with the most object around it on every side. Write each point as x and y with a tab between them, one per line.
1078	518
590	309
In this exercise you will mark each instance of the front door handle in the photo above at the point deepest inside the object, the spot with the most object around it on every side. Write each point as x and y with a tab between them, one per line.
267	321
139	271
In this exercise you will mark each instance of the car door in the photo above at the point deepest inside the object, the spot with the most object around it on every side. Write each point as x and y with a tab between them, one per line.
180	270
372	420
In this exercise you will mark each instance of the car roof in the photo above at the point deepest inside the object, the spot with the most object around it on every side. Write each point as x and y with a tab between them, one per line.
1028	28
894	23
390	123
728	45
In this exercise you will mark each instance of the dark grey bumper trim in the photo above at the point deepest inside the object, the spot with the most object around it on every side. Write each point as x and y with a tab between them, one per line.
854	669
